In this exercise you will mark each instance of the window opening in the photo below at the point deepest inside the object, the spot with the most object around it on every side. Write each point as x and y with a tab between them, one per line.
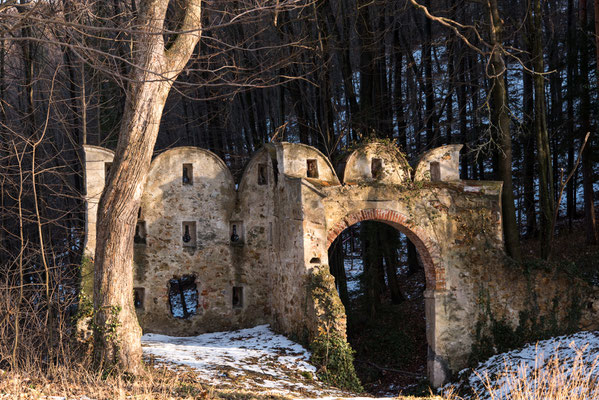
234	235
315	260
262	174
237	297
140	233
312	168
138	297
435	168
183	296
376	168
275	170
189	233
107	167
187	174
236	232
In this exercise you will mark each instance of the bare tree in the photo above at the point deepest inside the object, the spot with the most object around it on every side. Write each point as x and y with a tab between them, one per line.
117	332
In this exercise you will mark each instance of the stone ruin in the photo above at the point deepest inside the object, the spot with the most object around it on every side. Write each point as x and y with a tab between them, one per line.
211	256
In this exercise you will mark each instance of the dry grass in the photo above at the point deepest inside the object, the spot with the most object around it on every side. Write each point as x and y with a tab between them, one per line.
79	382
557	379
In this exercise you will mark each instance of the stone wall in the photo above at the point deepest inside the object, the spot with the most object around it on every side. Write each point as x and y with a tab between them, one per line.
293	311
252	250
97	163
203	207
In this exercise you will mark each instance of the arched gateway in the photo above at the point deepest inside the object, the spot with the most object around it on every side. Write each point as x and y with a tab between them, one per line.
210	256
434	273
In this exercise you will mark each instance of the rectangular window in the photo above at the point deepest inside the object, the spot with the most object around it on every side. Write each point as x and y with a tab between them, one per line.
275	170
236	232
435	171
262	174
140	233
376	168
312	168
188	233
237	297
138	297
187	178
183	296
107	167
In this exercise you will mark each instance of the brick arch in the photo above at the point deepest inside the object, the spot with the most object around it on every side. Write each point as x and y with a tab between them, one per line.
427	248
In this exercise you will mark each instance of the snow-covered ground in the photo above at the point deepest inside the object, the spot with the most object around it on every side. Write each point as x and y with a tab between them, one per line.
253	359
260	360
576	353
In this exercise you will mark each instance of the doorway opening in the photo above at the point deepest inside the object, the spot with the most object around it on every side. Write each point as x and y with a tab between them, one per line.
381	282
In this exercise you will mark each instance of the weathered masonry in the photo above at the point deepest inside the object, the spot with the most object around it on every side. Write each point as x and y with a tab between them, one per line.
212	256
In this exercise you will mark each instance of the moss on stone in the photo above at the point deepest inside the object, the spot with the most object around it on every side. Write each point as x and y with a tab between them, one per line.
495	334
334	356
87	276
330	350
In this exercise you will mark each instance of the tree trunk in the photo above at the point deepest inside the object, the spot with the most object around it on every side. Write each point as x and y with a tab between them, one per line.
367	120
592	235
462	109
597	34
372	262
501	121
427	62
337	267
402	137
570	73
478	168
413	264
343	42
543	152
390	243
528	143
116	330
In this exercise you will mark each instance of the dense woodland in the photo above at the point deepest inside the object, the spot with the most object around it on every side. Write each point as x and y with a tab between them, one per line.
514	81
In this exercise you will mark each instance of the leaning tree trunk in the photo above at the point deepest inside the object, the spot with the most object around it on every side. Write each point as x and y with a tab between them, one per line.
116	330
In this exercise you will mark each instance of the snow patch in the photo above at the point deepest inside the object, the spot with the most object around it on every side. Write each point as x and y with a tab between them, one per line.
254	358
539	356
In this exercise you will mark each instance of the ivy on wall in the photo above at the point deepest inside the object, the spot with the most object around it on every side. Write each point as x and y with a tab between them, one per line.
331	352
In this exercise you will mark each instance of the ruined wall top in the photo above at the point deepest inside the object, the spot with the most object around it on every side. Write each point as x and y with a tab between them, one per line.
377	161
439	164
201	166
303	161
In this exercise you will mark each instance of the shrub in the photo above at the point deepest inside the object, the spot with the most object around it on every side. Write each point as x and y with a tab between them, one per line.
335	357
